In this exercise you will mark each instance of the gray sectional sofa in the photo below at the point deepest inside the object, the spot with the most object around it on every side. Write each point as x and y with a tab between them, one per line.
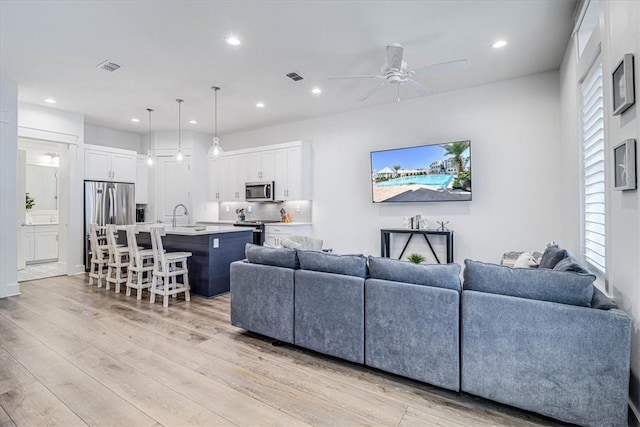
526	338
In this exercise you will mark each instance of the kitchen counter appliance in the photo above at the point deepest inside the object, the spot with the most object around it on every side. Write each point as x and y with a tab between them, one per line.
258	228
107	203
259	191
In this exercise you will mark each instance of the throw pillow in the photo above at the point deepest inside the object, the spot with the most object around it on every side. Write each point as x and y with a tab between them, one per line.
602	302
288	243
551	256
525	260
570	263
276	257
436	275
532	283
349	265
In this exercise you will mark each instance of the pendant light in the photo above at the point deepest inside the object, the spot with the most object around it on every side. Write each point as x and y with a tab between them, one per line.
215	150
149	152
179	155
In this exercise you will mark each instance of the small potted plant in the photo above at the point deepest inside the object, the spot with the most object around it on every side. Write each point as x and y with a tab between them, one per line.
30	202
416	258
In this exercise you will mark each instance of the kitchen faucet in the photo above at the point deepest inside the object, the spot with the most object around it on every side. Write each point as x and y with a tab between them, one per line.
173	220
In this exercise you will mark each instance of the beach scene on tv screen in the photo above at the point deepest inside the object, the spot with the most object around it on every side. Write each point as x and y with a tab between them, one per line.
428	173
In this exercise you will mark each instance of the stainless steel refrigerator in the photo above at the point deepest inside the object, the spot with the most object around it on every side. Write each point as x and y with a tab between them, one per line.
107	203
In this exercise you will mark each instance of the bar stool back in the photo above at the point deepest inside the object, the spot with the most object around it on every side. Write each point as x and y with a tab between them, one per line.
118	260
140	267
99	257
166	268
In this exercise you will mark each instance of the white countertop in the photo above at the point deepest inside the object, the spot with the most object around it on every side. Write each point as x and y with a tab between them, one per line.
230	222
191	230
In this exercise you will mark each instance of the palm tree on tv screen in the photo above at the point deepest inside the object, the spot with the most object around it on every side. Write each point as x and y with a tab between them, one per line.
455	150
396	168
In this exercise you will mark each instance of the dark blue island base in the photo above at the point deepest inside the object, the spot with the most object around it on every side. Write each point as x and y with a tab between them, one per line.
209	265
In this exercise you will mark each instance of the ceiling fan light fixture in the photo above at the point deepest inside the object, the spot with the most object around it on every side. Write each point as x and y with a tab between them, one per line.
179	156
499	44
216	149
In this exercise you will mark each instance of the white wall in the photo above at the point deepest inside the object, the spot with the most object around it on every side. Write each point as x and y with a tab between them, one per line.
111	138
622	35
514	128
8	190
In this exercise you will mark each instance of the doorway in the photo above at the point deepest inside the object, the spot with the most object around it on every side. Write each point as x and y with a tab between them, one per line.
40	252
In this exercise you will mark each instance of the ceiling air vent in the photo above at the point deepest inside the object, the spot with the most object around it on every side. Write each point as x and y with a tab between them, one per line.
294	76
109	66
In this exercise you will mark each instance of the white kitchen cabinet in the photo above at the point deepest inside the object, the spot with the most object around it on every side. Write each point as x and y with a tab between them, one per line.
109	164
274	234
293	172
227	176
142	181
261	166
214	180
41	243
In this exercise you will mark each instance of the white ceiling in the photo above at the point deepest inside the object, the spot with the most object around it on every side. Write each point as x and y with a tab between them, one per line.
177	49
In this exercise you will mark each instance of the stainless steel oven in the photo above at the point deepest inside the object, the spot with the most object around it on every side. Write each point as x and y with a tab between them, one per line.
258	228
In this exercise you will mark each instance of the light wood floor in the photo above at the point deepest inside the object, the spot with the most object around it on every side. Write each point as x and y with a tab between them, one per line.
71	354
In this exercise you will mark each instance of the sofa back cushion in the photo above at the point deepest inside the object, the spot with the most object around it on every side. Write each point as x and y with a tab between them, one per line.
348	265
436	275
539	284
277	257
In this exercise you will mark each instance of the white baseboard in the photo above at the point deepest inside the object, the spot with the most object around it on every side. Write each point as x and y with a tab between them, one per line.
10	290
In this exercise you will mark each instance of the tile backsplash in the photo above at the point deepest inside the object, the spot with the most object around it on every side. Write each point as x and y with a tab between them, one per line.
299	210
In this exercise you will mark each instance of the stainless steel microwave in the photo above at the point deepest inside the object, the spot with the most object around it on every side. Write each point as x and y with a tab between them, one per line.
259	191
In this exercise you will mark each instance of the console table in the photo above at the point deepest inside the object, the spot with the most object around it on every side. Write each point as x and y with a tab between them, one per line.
385	236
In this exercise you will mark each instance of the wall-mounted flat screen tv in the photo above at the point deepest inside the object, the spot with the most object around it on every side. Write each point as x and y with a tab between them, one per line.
427	173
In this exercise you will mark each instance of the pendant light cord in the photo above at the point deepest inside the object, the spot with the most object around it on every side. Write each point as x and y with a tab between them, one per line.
179	124
149	140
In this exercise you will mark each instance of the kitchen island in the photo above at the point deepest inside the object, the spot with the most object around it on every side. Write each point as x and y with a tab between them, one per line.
214	248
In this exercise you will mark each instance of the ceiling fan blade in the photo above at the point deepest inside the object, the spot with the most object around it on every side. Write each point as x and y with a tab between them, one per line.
372	91
444	67
416	87
359	76
394	57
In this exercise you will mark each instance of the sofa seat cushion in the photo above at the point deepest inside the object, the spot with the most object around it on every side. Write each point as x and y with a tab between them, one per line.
539	284
436	275
348	265
276	257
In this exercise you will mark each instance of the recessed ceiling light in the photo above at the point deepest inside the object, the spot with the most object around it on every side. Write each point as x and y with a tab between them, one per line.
50	101
233	40
499	44
193	122
135	120
316	90
260	105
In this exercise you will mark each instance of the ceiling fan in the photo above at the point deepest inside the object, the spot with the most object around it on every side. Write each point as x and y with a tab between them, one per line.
396	72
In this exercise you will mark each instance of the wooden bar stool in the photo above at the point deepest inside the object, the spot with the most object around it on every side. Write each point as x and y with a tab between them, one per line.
140	267
118	260
99	257
166	268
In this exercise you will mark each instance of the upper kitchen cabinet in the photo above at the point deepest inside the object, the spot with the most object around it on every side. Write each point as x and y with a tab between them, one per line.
261	166
142	181
109	164
293	172
227	176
